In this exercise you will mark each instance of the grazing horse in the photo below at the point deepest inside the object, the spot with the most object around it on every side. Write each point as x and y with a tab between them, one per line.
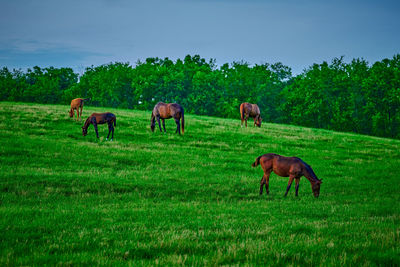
250	110
166	111
100	118
291	167
76	104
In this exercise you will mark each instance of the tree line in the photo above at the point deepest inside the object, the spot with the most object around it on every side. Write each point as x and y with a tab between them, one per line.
352	97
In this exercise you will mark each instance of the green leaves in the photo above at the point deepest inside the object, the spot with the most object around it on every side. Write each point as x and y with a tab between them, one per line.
346	97
340	96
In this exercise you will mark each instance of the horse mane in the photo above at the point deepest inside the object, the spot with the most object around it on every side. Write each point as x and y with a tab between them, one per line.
310	170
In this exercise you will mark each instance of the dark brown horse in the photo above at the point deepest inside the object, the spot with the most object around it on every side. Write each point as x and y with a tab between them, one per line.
101	118
250	110
166	111
75	105
291	167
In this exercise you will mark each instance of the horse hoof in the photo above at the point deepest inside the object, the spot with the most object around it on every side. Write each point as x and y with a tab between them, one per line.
111	140
106	139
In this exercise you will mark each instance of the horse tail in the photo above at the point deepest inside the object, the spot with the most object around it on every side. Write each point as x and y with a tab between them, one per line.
183	122
242	111
257	162
115	122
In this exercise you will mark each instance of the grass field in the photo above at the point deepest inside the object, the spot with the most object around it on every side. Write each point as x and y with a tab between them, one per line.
162	199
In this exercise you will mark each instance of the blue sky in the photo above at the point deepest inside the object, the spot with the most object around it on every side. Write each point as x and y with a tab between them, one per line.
297	33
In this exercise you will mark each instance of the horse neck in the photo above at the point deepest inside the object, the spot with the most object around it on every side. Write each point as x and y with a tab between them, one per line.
87	123
309	174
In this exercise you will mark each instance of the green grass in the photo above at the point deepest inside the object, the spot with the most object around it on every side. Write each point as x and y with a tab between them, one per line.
163	199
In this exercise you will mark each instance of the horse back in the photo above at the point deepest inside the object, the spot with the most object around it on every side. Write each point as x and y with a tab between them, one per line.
282	166
102	118
77	102
167	111
292	166
246	107
175	110
251	109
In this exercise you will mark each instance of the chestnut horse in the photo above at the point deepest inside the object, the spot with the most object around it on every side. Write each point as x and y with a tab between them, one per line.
166	111
100	118
250	110
291	167
76	104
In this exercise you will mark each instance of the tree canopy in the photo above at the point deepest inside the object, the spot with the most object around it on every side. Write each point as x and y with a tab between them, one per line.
354	97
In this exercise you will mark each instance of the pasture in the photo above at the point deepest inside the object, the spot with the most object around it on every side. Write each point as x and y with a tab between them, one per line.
162	199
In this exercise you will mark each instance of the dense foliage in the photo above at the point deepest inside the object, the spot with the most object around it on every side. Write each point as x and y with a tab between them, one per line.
342	96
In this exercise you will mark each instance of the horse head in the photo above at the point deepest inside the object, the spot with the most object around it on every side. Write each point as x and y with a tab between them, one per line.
258	121
71	113
316	187
84	131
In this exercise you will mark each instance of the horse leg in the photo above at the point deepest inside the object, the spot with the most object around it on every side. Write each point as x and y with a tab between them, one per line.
163	124
291	178
95	126
109	130
267	182
81	113
178	126
262	182
297	186
247	117
159	124
112	134
77	114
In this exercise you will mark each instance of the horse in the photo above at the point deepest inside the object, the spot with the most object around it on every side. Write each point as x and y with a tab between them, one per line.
100	118
250	110
291	167
76	104
166	111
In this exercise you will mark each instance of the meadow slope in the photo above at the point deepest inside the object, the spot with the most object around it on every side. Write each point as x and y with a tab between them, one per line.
151	198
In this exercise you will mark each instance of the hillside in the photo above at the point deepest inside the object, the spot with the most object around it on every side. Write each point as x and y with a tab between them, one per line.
151	198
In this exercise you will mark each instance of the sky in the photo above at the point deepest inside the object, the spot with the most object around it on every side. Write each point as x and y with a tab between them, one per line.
297	33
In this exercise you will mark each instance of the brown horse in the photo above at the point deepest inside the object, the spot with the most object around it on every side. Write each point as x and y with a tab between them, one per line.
250	110
76	104
166	111
100	118
291	167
